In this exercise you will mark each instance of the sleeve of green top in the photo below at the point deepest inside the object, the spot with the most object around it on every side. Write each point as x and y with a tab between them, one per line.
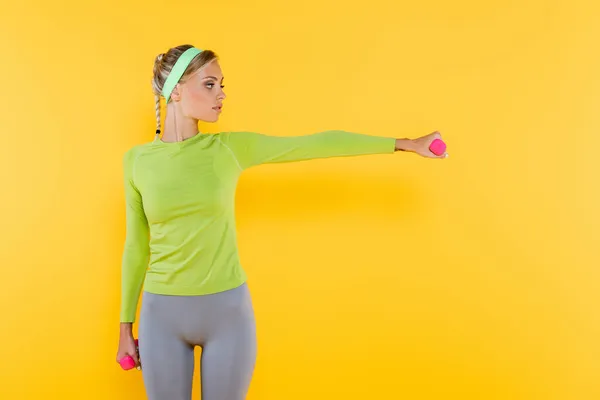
253	149
136	248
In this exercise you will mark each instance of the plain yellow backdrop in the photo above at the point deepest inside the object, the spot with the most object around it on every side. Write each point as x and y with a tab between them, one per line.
376	277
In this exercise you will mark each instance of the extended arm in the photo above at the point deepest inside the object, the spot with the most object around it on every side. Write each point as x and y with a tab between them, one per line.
252	149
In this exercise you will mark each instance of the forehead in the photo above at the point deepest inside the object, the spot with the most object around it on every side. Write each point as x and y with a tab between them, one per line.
211	69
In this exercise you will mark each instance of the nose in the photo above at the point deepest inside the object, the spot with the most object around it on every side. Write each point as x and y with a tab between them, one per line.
221	95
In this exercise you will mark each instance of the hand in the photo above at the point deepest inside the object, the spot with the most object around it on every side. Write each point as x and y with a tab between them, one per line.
421	145
127	348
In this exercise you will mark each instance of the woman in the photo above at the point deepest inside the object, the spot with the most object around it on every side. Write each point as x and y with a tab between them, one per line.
181	238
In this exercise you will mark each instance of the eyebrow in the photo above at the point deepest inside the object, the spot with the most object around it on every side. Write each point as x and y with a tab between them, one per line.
212	77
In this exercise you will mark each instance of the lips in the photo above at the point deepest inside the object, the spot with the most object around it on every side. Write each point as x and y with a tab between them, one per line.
218	108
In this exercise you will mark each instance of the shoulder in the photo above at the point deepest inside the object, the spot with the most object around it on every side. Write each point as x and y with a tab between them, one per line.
238	134
238	137
132	153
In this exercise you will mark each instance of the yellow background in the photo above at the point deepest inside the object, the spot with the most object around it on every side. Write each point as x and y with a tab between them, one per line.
378	277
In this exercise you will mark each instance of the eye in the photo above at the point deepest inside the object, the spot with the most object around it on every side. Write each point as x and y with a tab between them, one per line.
210	85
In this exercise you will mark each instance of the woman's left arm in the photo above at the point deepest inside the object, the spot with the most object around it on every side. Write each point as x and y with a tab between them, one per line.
252	149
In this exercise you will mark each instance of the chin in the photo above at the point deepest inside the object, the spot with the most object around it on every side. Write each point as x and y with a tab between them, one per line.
210	117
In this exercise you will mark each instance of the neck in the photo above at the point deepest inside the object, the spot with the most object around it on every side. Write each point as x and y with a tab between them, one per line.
178	127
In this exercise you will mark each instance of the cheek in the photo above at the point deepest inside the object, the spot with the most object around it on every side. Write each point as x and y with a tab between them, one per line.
198	96
198	103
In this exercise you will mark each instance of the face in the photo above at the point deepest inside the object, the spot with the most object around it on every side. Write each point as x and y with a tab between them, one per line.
201	96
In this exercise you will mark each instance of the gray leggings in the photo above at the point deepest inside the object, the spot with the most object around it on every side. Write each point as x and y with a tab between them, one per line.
222	324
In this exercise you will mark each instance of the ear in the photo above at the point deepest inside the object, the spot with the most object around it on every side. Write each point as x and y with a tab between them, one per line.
175	94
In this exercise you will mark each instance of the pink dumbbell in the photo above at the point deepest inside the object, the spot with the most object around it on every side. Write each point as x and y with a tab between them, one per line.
437	147
127	362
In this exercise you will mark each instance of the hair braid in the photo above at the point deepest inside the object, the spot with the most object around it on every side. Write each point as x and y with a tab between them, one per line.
157	109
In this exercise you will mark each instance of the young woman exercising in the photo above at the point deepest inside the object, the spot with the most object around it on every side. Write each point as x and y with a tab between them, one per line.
180	241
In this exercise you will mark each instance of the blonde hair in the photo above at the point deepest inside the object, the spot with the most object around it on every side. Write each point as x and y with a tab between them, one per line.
163	64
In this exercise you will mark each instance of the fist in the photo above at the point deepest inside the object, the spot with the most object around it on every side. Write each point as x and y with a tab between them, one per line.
421	145
127	347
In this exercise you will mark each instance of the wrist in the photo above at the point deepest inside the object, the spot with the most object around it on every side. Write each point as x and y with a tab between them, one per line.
126	328
404	145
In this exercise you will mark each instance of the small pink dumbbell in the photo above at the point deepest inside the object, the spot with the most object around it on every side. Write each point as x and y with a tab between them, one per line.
437	147
127	362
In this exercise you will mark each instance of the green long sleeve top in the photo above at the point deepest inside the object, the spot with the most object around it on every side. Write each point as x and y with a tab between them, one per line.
180	226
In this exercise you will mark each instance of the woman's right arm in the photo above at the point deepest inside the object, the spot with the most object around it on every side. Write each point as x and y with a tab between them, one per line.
135	256
136	249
